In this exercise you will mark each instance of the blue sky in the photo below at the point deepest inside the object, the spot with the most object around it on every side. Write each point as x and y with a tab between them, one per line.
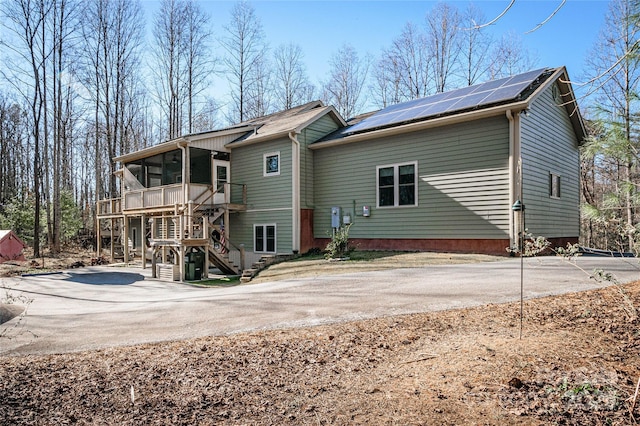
321	27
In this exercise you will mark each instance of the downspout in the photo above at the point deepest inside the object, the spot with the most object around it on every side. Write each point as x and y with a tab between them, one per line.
515	172
295	191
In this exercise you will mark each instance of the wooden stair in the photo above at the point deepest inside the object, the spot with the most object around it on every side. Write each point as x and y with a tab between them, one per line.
223	263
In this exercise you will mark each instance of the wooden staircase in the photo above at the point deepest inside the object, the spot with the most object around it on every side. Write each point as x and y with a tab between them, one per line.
223	263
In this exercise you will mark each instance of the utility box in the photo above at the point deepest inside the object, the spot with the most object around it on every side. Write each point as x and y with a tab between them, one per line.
366	211
194	266
189	271
335	217
168	272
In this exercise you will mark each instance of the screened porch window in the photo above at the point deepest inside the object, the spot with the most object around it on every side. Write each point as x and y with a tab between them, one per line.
397	185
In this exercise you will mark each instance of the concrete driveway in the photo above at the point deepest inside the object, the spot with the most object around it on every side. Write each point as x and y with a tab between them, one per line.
101	307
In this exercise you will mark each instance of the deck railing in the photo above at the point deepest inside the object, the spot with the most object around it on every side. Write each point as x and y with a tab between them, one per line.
167	196
110	206
161	196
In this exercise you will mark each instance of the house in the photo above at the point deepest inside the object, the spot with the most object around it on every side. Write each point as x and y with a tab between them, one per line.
11	246
439	173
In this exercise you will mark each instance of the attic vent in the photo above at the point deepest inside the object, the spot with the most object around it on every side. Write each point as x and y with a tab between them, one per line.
555	91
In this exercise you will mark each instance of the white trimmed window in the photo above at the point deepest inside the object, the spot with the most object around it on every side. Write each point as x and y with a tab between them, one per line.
397	185
554	185
271	164
264	238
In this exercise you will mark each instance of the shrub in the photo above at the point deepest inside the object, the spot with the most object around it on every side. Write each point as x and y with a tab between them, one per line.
338	247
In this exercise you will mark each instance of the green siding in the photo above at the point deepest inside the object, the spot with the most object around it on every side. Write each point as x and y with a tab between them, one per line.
268	197
549	145
242	228
317	130
263	192
463	183
320	128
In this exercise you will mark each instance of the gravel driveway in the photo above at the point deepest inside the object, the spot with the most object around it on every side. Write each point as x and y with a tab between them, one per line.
100	307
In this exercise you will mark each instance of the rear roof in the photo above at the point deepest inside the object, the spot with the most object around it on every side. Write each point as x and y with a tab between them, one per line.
485	95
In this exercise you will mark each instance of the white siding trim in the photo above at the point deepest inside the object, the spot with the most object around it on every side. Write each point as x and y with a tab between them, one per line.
279	209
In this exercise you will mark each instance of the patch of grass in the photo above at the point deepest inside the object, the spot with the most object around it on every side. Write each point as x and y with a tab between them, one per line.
357	255
372	255
218	282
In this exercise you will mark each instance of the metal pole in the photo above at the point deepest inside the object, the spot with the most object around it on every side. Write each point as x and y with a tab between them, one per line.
522	235
521	277
518	208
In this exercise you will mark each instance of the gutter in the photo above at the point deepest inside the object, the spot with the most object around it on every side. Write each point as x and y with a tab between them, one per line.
170	145
422	125
295	190
515	170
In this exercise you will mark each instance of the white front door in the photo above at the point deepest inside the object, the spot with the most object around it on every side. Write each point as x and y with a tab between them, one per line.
220	177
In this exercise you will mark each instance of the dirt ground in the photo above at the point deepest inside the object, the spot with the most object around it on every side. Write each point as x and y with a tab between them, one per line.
577	362
303	268
74	257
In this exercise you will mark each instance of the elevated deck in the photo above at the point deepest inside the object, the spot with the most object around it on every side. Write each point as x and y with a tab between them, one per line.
169	198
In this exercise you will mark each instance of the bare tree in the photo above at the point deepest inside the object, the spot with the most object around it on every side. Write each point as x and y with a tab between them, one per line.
169	25
63	25
403	71
475	47
199	59
385	87
182	59
347	78
14	151
615	68
112	36
510	57
443	36
291	84
259	93
26	20
207	117
245	46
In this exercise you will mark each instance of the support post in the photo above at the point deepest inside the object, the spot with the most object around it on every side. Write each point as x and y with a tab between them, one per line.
125	244
112	238
181	258
190	219
205	235
98	238
143	243
153	262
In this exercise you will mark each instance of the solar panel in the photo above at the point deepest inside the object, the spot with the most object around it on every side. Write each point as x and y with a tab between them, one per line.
528	76
505	93
491	92
468	101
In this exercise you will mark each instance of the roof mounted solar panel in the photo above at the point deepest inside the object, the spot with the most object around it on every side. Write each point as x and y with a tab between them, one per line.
469	101
480	95
528	76
505	93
